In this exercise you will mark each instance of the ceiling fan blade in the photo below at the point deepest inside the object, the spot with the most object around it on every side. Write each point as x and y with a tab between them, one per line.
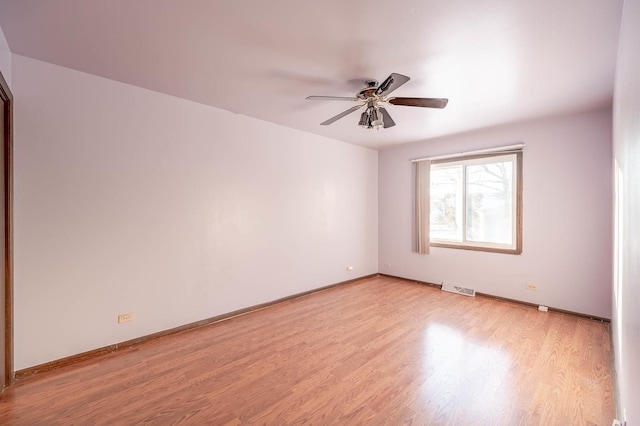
386	118
391	83
331	98
342	114
420	102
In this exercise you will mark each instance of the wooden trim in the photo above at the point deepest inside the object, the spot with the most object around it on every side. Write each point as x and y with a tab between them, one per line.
476	248
372	341
504	299
519	204
438	286
73	359
7	146
533	305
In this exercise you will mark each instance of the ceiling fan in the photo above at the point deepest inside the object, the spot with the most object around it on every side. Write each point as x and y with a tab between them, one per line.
375	116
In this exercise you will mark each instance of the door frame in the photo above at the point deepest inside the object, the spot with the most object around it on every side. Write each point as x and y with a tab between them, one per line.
7	145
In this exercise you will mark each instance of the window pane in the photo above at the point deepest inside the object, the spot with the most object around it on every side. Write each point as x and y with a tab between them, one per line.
489	202
446	203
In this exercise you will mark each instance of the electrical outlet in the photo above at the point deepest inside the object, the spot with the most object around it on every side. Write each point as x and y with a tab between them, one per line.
532	287
125	318
349	268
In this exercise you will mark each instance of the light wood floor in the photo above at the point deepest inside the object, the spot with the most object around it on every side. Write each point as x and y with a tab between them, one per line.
378	351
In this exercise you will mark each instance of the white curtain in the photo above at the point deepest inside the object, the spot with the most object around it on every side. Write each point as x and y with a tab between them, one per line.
423	202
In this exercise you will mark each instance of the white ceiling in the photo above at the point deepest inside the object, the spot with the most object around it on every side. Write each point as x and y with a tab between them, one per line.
497	61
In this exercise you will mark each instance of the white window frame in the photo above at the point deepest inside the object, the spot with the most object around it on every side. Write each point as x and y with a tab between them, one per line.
516	244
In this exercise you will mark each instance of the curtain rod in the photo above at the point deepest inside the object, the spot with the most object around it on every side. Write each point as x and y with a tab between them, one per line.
479	151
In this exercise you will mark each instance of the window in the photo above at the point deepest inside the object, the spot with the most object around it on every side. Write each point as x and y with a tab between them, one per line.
476	203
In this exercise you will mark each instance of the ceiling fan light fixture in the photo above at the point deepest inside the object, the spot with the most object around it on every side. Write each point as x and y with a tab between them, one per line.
364	120
376	119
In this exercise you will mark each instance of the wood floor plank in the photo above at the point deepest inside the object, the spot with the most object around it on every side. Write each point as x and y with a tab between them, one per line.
377	351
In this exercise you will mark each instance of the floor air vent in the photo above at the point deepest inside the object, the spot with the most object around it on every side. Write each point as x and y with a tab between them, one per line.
459	290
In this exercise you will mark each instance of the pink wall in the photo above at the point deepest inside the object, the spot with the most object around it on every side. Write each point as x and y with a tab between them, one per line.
567	216
5	58
128	200
626	304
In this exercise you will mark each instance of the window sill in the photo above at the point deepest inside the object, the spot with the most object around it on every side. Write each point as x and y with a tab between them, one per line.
475	248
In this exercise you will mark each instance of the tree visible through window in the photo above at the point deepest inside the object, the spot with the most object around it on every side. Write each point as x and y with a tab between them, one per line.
476	202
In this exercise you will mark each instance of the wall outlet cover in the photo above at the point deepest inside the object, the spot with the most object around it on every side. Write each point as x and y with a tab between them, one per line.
125	318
